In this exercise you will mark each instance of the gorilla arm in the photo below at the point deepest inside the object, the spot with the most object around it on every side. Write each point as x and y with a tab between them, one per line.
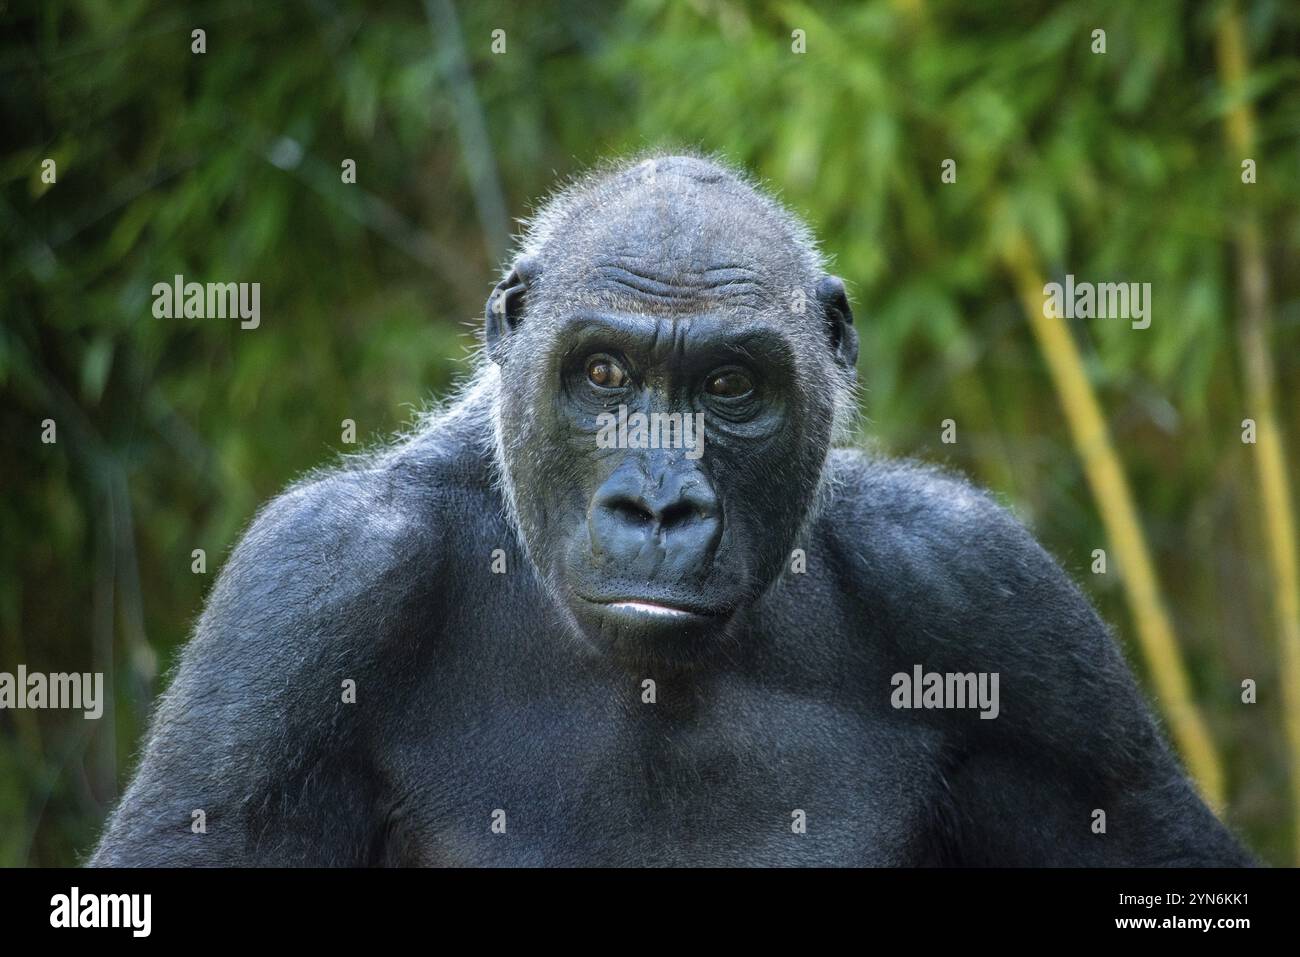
960	587
253	730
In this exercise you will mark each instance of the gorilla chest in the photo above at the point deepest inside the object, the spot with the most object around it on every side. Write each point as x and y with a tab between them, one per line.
757	777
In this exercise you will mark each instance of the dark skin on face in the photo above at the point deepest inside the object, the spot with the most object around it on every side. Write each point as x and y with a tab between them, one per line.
659	549
662	548
567	653
652	552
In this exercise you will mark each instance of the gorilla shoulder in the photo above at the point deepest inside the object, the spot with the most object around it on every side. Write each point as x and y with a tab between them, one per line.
345	552
934	554
918	509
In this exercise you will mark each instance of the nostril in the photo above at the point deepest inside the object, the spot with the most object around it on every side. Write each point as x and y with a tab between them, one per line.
681	513
631	511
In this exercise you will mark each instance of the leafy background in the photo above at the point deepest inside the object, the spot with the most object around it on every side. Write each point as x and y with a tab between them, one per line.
225	166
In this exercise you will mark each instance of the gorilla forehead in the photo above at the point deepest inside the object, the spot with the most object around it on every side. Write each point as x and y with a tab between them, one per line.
674	234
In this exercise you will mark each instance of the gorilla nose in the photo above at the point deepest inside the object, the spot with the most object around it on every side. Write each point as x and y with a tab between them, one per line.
664	527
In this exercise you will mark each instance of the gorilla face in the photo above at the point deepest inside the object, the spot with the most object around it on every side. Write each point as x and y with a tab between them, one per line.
669	370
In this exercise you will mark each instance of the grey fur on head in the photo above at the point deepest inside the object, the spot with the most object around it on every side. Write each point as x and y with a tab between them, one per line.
684	203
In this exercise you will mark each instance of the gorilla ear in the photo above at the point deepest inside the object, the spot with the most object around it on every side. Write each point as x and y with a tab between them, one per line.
505	305
839	320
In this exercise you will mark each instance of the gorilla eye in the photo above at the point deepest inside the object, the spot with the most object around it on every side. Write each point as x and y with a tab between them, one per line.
605	373
729	384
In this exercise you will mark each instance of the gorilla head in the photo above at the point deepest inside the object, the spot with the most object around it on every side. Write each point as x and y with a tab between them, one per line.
671	288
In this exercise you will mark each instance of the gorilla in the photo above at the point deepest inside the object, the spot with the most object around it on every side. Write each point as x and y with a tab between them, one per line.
500	640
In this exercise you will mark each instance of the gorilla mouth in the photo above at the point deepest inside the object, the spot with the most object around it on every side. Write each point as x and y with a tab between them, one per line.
641	631
653	609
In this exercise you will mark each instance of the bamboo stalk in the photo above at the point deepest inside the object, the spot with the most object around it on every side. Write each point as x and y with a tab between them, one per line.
1114	498
1261	395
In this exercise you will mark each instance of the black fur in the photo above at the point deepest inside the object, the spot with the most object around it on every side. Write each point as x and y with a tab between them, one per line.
480	691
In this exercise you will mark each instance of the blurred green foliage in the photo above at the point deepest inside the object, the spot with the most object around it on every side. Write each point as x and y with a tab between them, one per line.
225	166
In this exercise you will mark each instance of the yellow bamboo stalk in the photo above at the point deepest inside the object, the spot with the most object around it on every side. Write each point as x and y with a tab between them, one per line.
1261	396
1110	489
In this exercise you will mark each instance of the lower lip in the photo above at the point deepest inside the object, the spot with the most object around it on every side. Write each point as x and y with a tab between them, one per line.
650	610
